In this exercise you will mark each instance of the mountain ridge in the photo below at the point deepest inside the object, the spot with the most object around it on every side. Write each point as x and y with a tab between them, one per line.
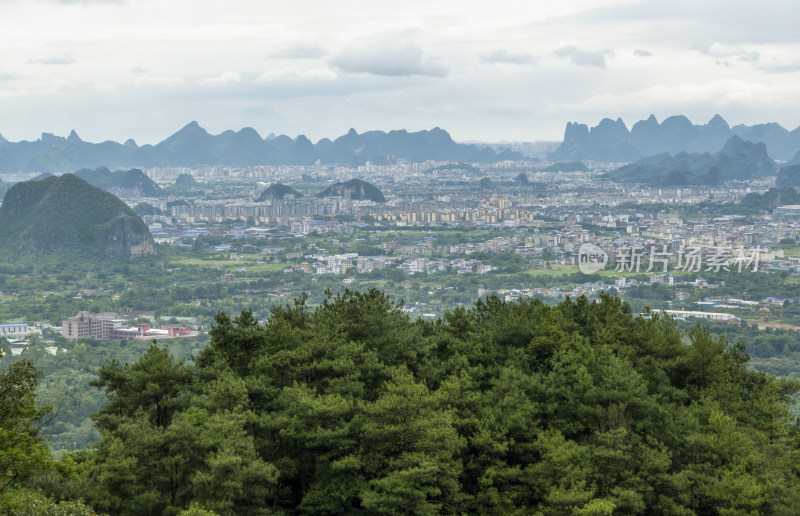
738	160
192	145
611	141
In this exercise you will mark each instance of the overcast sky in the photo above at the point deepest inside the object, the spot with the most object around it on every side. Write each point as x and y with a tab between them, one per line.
483	70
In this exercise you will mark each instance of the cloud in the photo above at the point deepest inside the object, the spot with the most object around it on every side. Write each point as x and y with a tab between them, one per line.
223	80
169	82
4	77
260	112
779	66
677	21
387	57
301	51
642	53
76	2
53	61
95	2
136	70
82	86
689	97
295	74
502	55
719	50
581	57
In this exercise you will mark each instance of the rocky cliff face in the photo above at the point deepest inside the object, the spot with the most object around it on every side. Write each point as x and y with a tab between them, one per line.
67	215
125	237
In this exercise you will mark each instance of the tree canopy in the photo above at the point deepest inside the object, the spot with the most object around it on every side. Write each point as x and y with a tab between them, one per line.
525	408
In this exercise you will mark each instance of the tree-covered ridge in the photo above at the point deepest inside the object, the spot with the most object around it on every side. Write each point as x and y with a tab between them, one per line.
581	408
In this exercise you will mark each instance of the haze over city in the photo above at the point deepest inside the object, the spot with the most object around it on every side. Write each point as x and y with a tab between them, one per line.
485	71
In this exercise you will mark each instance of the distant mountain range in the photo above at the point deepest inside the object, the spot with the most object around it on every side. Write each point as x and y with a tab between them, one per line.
611	140
738	160
194	146
65	214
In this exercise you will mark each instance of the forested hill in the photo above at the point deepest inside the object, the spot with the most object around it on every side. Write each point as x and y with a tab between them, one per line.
277	191
65	214
355	189
351	408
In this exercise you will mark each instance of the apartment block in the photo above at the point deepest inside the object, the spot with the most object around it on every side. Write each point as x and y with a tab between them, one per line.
86	325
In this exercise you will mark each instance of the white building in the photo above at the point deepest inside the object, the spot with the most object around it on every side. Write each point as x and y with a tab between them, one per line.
13	329
712	316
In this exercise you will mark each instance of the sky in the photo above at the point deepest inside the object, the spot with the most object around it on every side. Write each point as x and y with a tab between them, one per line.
500	70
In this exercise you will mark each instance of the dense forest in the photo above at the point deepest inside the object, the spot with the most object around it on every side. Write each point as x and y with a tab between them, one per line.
502	408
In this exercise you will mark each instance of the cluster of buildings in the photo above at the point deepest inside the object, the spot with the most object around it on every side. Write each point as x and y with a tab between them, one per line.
113	326
264	213
351	262
460	266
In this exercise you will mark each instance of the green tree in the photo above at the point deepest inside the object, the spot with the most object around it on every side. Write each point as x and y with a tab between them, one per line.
156	384
169	441
22	450
411	451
